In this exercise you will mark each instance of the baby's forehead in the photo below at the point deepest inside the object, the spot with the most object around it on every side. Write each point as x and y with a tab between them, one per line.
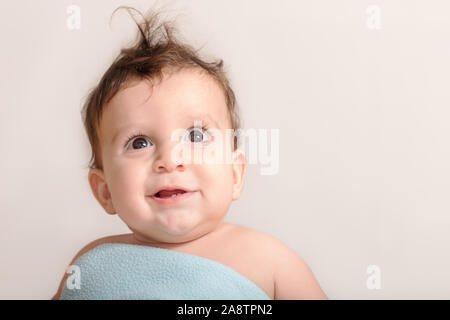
182	95
183	88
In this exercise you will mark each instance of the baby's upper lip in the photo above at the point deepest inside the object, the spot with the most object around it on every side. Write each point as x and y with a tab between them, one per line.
169	188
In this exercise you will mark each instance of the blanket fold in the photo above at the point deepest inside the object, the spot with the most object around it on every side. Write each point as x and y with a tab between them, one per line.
127	271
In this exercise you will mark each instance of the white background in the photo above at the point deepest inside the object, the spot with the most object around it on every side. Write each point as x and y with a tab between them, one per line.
363	114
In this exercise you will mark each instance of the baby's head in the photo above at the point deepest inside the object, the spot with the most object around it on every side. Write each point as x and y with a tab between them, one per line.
153	90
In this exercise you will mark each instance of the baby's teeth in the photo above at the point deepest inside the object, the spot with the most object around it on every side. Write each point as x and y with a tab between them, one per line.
174	195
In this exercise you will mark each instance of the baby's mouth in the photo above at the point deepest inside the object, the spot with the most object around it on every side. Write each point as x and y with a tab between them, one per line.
175	196
169	193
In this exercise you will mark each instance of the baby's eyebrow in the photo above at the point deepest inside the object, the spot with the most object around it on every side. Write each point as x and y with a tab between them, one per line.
203	116
118	132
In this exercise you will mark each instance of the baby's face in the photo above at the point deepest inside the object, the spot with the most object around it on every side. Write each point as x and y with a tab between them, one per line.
137	149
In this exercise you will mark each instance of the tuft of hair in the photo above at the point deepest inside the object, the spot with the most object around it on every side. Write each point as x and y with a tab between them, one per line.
157	52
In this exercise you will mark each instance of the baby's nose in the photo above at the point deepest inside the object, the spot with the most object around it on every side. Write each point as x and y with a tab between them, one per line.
169	157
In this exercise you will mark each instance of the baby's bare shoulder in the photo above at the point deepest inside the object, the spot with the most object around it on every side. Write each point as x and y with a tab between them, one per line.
255	238
261	246
292	277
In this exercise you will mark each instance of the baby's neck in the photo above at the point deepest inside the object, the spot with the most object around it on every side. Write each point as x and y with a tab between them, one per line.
139	239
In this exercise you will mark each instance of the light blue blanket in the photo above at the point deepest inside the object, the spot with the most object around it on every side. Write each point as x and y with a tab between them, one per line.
127	271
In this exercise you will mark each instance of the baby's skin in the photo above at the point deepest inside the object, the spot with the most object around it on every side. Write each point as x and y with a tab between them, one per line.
142	162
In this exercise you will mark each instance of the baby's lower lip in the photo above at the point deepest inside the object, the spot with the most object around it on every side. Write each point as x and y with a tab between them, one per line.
173	200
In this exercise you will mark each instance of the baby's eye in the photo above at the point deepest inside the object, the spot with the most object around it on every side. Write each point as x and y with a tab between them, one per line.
198	135
139	143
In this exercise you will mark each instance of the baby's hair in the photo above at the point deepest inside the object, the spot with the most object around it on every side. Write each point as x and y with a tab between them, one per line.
157	52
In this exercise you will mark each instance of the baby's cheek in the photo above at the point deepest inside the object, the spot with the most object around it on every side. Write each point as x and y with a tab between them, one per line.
129	190
221	181
218	154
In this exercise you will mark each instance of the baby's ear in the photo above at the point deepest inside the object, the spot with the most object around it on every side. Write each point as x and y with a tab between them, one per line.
239	166
100	189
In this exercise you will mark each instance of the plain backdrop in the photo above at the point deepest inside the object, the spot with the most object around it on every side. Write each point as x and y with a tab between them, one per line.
363	114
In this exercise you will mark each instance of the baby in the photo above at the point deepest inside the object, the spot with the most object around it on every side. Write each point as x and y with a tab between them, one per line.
140	172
